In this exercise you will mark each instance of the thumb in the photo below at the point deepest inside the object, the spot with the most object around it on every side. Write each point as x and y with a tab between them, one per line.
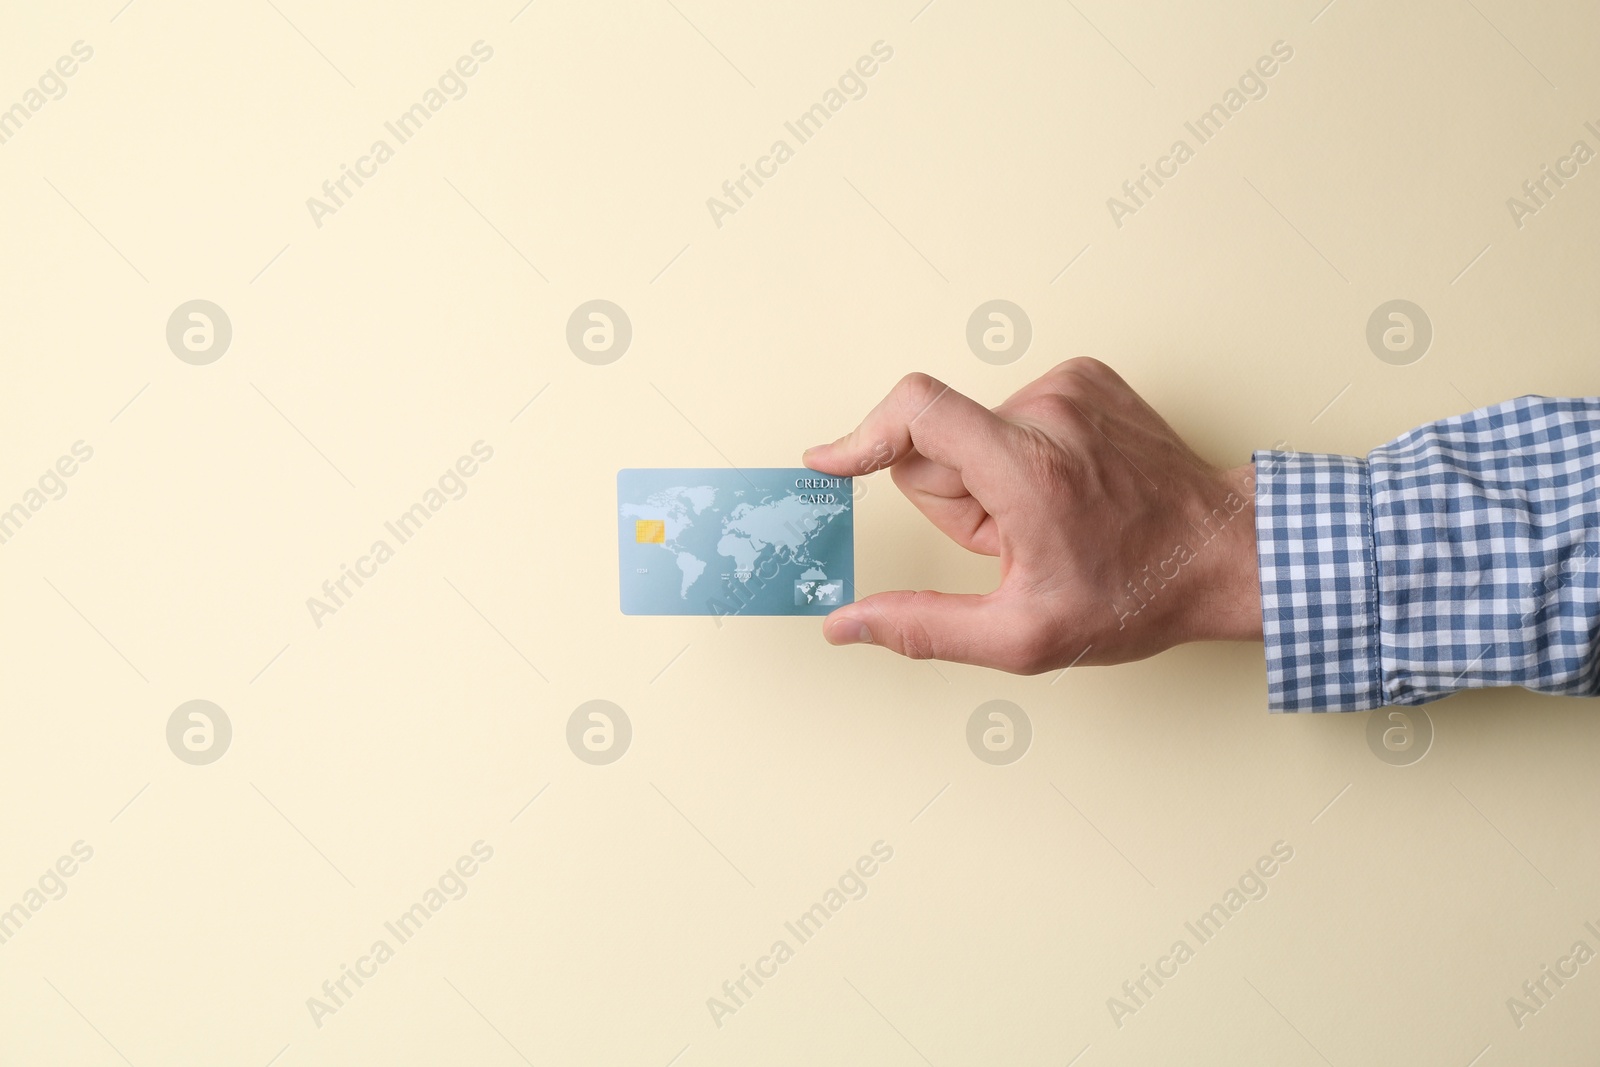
960	627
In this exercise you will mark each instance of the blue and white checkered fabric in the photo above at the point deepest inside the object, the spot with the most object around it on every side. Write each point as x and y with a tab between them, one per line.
1464	554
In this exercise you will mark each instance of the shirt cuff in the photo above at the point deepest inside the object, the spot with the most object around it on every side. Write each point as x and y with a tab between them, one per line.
1319	590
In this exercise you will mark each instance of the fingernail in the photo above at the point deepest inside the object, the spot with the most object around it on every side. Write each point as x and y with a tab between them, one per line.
851	632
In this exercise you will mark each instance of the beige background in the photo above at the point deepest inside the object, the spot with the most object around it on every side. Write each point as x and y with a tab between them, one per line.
369	353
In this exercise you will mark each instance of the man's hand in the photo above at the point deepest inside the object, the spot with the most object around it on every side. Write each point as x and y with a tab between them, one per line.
1115	540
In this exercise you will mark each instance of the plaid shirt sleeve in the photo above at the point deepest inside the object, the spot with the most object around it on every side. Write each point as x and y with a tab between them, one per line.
1464	554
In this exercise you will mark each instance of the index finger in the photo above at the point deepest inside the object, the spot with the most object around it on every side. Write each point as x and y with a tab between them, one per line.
920	414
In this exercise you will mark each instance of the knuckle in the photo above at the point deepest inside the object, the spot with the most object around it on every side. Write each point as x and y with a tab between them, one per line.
1032	651
916	641
1053	407
919	386
1086	368
881	455
1036	662
1089	376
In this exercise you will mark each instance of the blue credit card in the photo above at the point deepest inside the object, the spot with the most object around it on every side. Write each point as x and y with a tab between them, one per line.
724	541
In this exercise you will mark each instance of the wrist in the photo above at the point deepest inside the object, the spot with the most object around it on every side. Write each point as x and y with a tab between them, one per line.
1241	618
1226	602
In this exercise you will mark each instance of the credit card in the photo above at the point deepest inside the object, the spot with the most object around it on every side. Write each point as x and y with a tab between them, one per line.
726	541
